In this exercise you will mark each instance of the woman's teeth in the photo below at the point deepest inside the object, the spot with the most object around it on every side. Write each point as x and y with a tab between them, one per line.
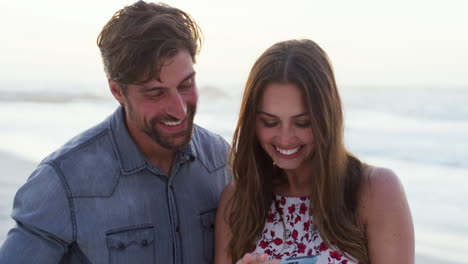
287	152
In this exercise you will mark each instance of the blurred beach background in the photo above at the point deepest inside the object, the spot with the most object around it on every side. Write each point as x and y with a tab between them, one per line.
402	68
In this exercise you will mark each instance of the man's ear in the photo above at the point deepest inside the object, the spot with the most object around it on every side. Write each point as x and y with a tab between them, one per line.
116	91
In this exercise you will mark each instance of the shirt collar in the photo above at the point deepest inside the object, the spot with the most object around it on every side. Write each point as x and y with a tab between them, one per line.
131	158
188	152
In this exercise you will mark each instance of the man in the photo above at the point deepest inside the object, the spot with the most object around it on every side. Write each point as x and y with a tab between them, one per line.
143	185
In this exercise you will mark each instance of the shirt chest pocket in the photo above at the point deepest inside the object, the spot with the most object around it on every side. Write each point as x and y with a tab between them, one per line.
131	244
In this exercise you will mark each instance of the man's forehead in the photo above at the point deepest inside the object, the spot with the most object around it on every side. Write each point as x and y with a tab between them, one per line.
173	69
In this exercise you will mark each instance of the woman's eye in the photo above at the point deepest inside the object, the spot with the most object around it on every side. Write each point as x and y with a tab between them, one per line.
269	124
303	124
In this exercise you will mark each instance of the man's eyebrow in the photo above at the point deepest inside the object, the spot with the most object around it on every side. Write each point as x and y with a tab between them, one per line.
189	76
155	88
151	89
271	115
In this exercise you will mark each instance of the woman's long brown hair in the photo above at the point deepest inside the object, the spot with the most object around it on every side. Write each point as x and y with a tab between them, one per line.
336	173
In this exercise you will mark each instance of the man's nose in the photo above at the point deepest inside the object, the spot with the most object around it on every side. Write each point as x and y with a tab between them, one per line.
177	107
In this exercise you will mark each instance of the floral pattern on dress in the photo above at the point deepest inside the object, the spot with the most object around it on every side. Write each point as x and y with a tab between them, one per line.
289	231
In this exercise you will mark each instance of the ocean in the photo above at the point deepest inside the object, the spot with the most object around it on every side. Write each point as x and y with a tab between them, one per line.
421	133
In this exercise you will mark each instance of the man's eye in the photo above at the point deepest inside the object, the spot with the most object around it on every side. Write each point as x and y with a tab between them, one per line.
155	95
187	84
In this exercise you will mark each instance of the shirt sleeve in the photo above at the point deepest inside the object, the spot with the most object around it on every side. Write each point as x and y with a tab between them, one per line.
43	211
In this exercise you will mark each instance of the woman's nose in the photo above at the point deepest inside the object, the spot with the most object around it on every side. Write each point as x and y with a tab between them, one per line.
287	137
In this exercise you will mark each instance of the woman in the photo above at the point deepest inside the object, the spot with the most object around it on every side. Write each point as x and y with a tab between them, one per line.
297	191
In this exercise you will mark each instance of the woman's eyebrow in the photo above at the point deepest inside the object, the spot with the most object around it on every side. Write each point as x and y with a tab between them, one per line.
272	115
301	115
265	113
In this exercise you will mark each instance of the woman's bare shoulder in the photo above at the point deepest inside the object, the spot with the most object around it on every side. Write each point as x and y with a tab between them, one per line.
386	214
381	190
224	199
228	191
379	179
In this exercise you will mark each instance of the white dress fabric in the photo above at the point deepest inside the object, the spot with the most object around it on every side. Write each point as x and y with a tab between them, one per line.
289	232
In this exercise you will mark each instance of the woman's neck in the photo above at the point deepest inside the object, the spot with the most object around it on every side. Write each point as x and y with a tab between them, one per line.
299	183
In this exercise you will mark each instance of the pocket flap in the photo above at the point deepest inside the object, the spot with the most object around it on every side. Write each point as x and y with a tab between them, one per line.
141	236
208	218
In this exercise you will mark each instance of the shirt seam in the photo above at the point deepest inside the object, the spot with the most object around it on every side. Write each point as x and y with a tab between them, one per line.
65	155
119	155
71	206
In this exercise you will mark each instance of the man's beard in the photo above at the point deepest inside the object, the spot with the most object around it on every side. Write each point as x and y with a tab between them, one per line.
166	140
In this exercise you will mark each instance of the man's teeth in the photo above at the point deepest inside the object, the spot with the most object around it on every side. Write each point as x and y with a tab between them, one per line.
173	123
287	151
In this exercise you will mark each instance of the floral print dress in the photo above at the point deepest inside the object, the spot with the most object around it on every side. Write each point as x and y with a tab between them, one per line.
300	237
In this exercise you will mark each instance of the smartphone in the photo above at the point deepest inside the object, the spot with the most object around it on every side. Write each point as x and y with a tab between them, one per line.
300	260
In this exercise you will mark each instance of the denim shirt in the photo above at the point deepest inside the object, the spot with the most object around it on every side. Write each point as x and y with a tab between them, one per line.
98	200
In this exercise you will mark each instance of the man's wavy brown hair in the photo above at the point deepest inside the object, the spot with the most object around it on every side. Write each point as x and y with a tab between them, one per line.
336	174
137	39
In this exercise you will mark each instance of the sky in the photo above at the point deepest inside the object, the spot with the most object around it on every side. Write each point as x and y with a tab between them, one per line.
405	43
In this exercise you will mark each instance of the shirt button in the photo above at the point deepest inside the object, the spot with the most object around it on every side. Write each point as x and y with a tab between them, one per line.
121	245
144	243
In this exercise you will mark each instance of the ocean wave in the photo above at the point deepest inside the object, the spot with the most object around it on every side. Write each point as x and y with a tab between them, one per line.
41	97
65	92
